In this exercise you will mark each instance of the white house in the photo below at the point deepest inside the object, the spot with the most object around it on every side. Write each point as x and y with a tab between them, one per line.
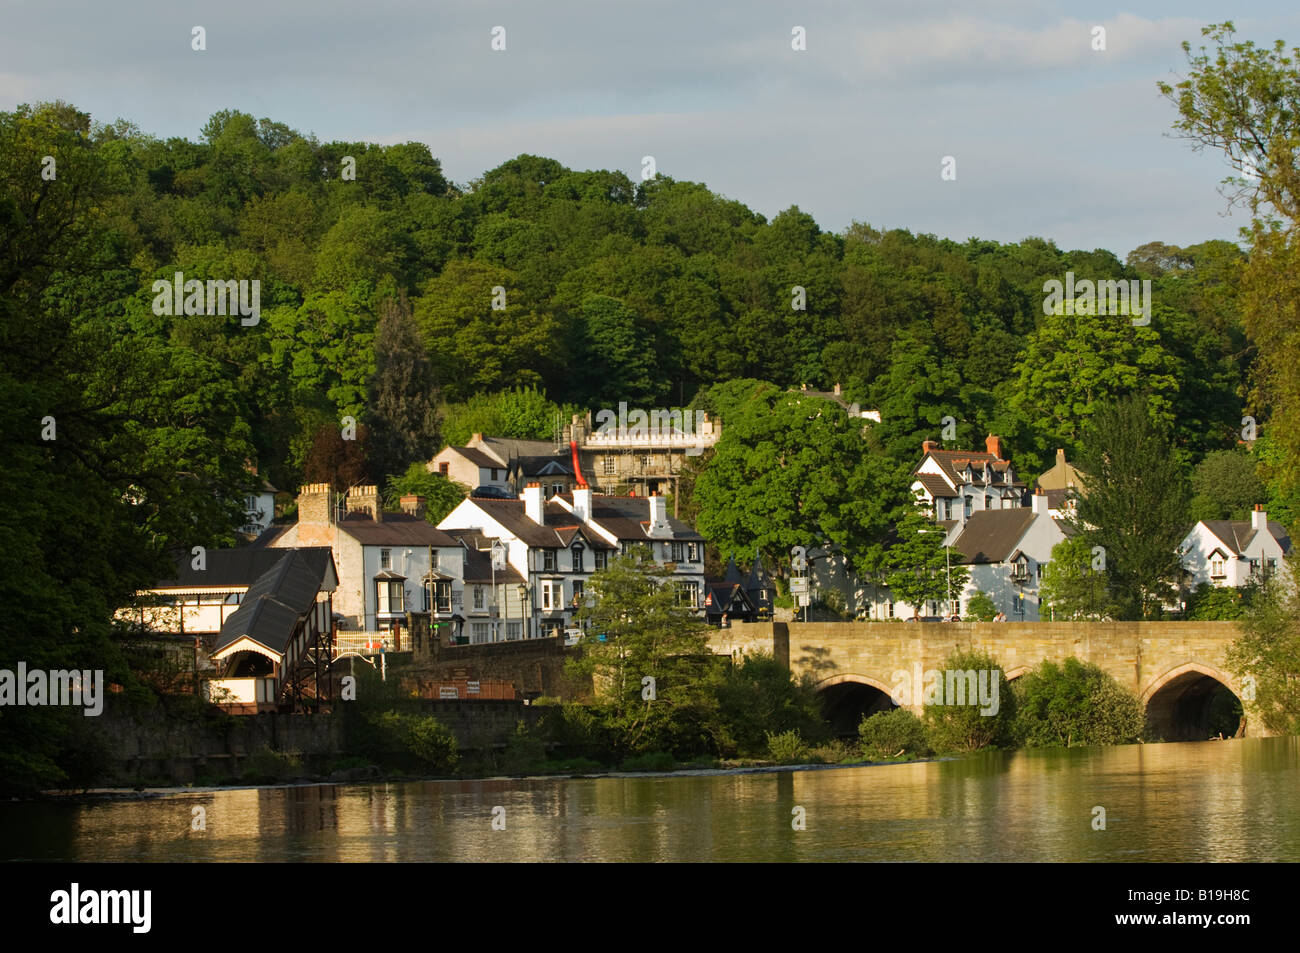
1005	551
557	544
1234	552
954	484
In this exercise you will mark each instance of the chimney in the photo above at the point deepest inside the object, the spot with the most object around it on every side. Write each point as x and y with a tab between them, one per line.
533	502
1060	457
365	499
837	390
1259	519
1039	502
994	445
658	514
476	438
413	505
928	445
315	517
582	503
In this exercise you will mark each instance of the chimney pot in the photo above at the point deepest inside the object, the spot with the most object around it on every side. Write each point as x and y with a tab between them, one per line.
533	502
993	444
928	446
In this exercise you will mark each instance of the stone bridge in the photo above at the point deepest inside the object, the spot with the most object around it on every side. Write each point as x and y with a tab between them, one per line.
1176	669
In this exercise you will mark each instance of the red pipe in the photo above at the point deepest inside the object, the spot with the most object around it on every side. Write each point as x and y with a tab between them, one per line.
577	467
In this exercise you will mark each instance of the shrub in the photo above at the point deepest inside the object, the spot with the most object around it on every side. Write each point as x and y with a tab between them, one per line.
965	727
887	734
786	747
1075	703
651	761
981	607
266	765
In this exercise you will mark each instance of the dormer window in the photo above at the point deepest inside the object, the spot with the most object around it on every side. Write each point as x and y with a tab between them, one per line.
577	557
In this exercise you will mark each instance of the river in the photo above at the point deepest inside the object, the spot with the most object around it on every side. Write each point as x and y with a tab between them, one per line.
1209	801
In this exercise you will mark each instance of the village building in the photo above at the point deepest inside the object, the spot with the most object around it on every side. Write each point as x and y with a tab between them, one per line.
954	484
1235	553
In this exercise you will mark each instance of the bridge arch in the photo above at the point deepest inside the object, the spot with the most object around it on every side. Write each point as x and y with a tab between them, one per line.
1192	702
849	697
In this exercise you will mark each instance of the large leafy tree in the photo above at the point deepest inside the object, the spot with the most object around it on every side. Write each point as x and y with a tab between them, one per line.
1134	505
1240	99
795	470
1075	583
1226	486
1268	653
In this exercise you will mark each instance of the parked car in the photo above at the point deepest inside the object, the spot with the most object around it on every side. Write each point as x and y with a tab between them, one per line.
492	493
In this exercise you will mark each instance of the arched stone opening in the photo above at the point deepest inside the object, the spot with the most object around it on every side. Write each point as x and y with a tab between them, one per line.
850	698
1193	703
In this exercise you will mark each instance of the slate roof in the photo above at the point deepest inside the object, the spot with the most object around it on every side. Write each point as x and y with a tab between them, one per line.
395	529
934	484
1239	534
274	603
240	567
990	536
759	579
1056	499
732	575
478	569
508	449
477	457
512	516
728	598
553	465
628	519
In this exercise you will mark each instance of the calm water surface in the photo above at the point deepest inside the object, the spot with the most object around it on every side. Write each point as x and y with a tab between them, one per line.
1210	801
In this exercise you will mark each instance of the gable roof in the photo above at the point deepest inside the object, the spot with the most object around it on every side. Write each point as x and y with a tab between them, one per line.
934	484
990	536
477	457
274	603
511	516
395	529
507	449
732	575
627	518
953	462
1237	535
478	568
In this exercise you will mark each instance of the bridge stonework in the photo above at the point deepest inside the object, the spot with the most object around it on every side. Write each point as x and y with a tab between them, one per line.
1144	657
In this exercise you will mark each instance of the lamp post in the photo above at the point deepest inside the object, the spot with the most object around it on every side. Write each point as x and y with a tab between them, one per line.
523	593
498	561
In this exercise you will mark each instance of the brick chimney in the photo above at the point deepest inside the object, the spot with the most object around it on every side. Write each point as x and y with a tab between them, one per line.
928	445
315	515
365	499
476	439
582	503
413	505
1039	502
994	445
1259	519
533	502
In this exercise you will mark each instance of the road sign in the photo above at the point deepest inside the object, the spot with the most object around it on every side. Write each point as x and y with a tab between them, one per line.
448	691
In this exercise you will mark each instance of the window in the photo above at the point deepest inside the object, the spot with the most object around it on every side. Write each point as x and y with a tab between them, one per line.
607	466
676	551
442	596
480	632
557	489
889	610
1216	567
577	593
548	560
494	474
385	559
478	597
577	558
552	595
390	596
688	594
988	502
444	469
600	556
1020	569
1272	566
645	461
693	552
514	630
970	503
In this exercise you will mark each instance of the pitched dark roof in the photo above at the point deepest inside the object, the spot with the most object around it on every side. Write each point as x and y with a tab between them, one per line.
554	465
1056	499
990	536
513	517
395	529
727	598
759	579
732	575
478	569
477	457
1238	534
508	449
934	484
628	519
953	462
240	567
274	603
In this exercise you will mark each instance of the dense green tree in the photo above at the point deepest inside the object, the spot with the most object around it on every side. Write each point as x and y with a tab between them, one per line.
403	394
441	495
1268	654
1225	486
919	568
1075	582
958	722
1134	505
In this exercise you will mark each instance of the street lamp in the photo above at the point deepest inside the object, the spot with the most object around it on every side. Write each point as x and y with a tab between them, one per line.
498	562
523	594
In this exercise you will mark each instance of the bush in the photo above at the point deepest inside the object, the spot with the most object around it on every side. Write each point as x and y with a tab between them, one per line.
888	734
965	727
1075	703
265	765
652	761
421	738
786	747
834	751
758	697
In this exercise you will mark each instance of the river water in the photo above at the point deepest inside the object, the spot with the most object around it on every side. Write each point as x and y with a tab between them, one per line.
1209	801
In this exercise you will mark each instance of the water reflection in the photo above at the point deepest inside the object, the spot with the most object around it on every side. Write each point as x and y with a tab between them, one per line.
1221	801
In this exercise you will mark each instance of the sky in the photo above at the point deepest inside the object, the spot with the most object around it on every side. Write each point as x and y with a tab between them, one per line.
1049	136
